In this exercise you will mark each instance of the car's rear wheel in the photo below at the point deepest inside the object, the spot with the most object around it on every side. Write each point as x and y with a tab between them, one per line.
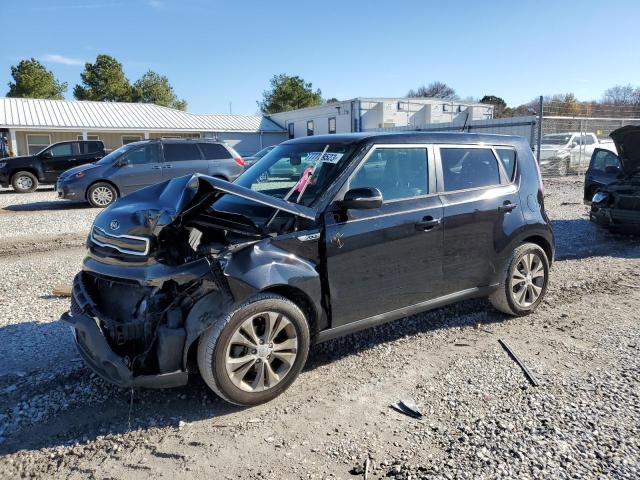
24	182
562	169
255	354
102	194
525	281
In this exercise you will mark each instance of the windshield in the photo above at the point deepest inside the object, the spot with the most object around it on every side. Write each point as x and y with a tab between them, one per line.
110	158
299	173
556	139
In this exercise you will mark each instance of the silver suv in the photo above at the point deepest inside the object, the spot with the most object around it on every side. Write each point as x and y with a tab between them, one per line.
140	164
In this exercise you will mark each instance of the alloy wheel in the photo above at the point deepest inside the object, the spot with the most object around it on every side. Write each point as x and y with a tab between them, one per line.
261	351
528	280
102	196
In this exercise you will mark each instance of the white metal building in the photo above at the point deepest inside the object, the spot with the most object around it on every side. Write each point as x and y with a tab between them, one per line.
31	124
362	114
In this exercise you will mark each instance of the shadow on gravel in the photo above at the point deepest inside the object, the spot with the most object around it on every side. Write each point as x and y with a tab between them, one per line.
50	205
40	189
580	238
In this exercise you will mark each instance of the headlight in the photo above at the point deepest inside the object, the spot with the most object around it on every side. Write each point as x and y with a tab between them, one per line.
79	175
3	164
562	153
599	197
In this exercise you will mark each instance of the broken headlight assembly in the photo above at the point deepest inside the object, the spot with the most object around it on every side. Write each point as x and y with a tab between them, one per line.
600	197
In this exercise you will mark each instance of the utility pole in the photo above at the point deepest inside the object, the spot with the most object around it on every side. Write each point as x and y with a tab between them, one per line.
540	115
230	109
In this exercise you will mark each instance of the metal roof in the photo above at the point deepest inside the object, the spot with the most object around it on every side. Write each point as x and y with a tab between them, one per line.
83	115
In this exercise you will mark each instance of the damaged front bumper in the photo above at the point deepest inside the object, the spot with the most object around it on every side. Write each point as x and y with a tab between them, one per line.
96	352
118	348
616	218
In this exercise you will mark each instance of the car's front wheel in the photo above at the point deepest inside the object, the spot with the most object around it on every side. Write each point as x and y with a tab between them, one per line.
24	182
255	354
102	194
525	281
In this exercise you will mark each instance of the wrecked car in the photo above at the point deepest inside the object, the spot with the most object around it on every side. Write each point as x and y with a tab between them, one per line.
235	281
617	205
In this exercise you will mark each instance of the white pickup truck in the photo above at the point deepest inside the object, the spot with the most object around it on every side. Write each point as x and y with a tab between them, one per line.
570	152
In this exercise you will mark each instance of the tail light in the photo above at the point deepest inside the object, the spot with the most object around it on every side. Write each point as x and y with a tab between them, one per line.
239	161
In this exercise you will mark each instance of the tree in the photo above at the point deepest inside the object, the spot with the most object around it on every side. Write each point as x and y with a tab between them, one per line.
434	90
331	100
104	80
288	93
32	80
500	108
622	95
155	88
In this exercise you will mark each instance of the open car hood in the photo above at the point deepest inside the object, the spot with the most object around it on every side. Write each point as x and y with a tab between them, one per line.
627	140
146	211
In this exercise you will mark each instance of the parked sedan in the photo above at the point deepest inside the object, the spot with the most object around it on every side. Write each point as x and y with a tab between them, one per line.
140	164
236	280
249	161
617	205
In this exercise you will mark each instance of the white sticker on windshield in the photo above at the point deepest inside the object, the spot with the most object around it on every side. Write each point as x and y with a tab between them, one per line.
328	157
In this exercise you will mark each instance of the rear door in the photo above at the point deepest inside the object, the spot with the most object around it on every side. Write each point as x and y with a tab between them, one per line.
58	158
386	259
181	158
597	174
139	168
481	211
89	152
219	161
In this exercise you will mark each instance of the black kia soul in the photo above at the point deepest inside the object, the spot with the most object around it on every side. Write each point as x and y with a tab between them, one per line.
236	280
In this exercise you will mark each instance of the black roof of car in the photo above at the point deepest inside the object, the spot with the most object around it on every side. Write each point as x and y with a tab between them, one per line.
410	137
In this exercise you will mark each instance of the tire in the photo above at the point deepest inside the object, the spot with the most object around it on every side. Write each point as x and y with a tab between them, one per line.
507	298
24	182
562	169
102	194
223	347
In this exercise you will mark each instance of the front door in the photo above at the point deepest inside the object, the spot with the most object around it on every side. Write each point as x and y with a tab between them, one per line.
56	159
386	259
603	170
481	210
139	168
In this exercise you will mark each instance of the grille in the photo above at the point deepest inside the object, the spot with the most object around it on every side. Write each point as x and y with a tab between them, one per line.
628	202
122	243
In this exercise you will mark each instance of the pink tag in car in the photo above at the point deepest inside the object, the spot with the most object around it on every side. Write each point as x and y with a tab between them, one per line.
304	179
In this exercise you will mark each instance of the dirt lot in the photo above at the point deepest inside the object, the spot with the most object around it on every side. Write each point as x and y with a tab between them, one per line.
482	419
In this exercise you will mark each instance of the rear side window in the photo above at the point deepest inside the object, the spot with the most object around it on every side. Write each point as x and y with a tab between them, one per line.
214	151
177	152
464	168
143	155
397	172
90	147
508	158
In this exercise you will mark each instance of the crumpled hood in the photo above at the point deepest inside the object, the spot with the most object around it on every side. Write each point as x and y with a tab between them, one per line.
146	211
627	140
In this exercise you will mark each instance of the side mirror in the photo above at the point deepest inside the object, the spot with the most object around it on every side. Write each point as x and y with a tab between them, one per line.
122	162
573	145
47	154
362	198
295	161
612	169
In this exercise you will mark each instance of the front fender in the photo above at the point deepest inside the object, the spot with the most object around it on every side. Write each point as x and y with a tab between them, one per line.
264	265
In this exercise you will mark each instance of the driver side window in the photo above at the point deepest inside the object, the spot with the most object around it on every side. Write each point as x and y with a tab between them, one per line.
143	155
398	173
62	150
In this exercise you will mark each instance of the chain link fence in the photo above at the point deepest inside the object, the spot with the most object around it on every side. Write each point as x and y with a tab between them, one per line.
566	137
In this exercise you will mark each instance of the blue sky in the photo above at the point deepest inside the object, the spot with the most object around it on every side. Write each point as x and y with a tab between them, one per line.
220	52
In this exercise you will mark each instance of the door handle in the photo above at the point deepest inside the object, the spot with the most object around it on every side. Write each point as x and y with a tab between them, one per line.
71	159
427	223
166	165
156	167
507	207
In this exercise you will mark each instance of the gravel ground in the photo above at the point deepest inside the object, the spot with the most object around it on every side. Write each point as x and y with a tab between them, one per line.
482	419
